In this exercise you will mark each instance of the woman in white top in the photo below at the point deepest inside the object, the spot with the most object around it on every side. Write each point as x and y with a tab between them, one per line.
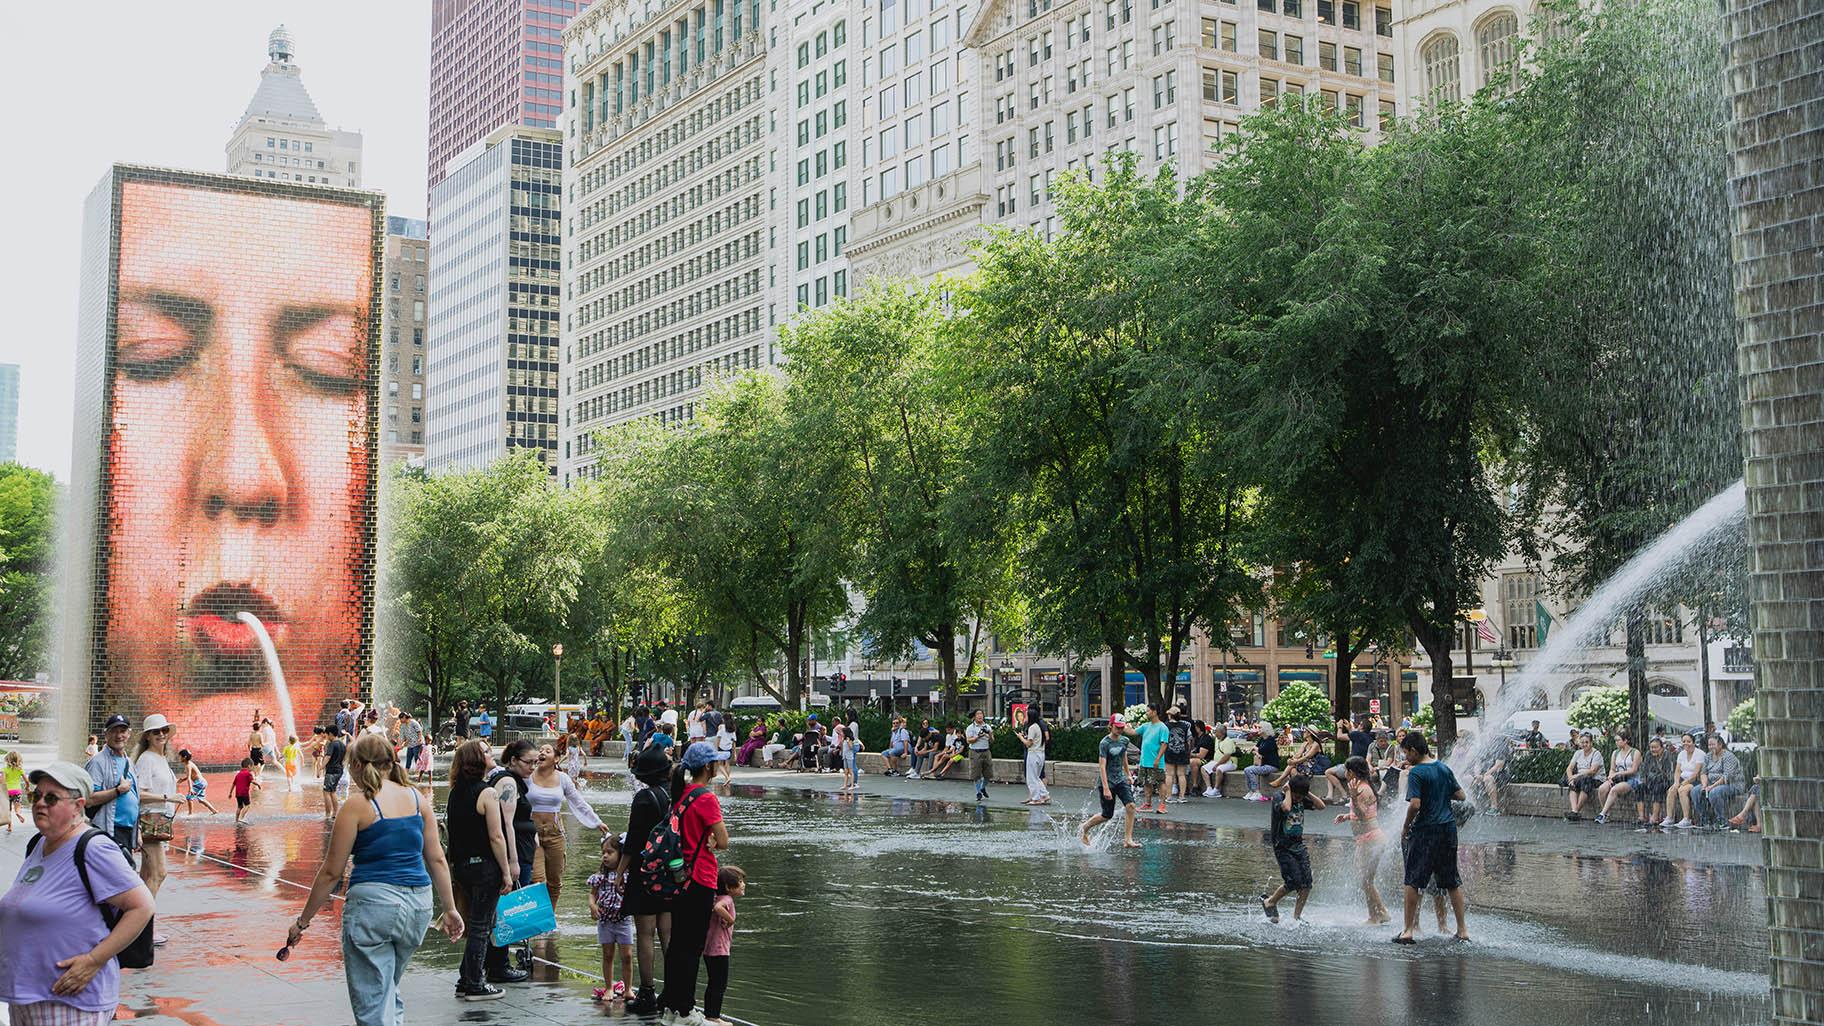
1624	771
1583	775
158	795
1033	737
548	790
1689	768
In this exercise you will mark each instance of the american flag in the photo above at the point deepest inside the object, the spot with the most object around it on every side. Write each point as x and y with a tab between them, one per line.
1485	629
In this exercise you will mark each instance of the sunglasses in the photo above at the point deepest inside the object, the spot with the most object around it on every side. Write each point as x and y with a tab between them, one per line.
49	798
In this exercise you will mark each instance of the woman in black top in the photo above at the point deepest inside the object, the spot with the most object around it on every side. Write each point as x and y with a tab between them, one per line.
478	859
650	914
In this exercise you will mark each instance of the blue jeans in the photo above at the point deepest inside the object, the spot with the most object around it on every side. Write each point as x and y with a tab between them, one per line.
1254	773
1718	801
382	926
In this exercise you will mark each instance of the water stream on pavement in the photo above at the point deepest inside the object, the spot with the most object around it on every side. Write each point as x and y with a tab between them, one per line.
895	910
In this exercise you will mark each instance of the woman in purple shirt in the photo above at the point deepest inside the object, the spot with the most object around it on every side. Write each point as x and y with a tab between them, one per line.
57	963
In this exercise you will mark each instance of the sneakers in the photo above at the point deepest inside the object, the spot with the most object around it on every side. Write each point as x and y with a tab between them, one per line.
159	940
1211	792
1666	822
694	1018
1161	807
1253	796
912	775
1601	818
478	992
1683	824
644	1003
508	975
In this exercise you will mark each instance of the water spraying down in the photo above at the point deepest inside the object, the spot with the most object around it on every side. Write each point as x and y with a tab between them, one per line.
1667	553
272	669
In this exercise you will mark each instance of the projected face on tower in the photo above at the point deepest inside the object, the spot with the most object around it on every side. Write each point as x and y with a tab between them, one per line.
240	457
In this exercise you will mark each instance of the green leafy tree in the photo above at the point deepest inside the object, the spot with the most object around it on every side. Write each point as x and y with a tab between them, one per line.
1741	722
1633	420
1072	366
928	551
1298	704
1604	709
728	511
28	503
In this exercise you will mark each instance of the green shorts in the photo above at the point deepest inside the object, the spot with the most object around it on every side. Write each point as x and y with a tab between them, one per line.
1152	776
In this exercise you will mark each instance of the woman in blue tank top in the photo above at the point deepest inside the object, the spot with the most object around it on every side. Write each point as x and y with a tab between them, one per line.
392	836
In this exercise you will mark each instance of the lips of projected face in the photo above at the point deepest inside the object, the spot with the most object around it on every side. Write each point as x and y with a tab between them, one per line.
212	619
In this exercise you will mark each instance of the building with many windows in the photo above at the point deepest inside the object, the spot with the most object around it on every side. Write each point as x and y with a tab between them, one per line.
1450	49
493	63
9	412
1064	84
673	195
282	136
405	269
491	348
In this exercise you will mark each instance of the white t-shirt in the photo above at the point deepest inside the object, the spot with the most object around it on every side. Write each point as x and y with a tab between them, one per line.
695	728
268	737
1583	762
1037	737
978	734
725	741
155	777
1689	764
670	717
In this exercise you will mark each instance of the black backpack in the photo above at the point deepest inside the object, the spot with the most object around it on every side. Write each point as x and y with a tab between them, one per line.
137	955
663	868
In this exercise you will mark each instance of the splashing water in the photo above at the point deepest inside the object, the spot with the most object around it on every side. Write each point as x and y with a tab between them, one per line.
1668	552
272	669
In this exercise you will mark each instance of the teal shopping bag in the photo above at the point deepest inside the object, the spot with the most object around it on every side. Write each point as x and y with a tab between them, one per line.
523	913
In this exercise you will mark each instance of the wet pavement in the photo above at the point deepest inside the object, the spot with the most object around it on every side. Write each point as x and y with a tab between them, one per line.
910	904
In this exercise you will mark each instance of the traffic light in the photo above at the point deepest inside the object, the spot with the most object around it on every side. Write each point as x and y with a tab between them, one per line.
636	692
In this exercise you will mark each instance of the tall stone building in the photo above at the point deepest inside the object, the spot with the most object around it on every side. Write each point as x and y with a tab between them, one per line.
405	269
493	63
9	412
492	330
281	135
1449	49
671	171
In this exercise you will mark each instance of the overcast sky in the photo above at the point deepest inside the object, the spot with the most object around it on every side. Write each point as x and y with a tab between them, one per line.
164	84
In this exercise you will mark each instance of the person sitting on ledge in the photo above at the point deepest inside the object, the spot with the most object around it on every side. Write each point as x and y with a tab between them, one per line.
1583	774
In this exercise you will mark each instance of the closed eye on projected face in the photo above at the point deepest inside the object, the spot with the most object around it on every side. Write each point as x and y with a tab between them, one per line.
165	333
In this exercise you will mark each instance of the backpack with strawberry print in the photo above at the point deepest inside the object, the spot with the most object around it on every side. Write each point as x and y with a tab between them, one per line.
663	867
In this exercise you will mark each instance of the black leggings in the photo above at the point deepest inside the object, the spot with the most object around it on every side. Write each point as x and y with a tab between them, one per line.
717	968
689	931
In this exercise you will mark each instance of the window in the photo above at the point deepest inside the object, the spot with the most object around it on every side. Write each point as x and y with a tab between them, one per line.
839	198
1220	86
1352	14
1443	77
915	48
1387	114
1384	66
1383	22
1269	45
1326	55
940	161
1326	12
1495	43
889	61
1165	140
1269	91
1352	60
1035	183
804	213
1165	89
1352	109
1294	49
915	130
1519	594
804	255
1006	202
1293	8
940	119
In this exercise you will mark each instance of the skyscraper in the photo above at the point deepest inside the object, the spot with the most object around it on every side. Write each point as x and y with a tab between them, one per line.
281	136
404	270
491	350
493	63
9	412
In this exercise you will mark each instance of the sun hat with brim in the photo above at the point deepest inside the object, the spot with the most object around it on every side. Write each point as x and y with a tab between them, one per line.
156	721
68	774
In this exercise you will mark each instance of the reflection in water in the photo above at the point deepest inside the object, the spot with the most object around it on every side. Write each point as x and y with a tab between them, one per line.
926	900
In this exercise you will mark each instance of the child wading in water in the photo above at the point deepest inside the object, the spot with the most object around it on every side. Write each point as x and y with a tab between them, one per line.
198	784
14	775
613	928
731	883
1363	818
243	787
288	757
1288	837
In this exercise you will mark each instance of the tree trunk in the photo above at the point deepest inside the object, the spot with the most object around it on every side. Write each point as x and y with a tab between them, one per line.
794	647
1437	644
946	658
1638	714
1115	692
1343	688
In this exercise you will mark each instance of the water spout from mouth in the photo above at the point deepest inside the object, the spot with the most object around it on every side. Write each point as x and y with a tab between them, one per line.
272	669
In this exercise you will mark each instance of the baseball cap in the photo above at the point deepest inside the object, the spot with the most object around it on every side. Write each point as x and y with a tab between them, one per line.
116	720
70	775
701	754
1117	720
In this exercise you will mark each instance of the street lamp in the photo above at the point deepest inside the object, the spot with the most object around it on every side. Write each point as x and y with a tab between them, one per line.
557	686
1503	661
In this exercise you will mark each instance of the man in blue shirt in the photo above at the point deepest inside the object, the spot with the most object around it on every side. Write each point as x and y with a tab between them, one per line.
114	806
484	724
1153	735
1429	836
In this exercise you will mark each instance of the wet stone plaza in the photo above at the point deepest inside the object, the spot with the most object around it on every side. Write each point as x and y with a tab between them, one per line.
910	904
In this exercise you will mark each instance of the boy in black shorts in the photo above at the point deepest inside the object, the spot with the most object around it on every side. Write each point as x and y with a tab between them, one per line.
1429	836
1287	835
1111	767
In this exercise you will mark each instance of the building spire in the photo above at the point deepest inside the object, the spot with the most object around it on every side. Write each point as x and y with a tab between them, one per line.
279	47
